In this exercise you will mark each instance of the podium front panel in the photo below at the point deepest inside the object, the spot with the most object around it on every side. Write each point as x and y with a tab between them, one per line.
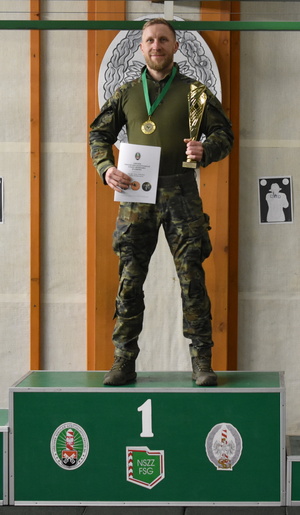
161	441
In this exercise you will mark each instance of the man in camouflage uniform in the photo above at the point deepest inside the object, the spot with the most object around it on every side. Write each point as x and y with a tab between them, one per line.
178	206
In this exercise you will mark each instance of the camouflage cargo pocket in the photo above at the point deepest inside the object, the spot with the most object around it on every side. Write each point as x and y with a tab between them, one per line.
206	246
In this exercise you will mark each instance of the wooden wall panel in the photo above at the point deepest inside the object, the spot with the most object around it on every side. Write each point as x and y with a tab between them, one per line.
233	198
35	155
102	267
219	191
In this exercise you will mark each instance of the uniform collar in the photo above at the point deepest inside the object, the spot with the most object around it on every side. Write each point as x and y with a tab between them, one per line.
149	76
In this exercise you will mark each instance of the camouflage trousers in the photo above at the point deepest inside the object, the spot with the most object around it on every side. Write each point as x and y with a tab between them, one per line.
178	209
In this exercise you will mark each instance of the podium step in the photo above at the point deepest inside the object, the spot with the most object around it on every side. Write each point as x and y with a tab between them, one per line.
148	380
162	441
4	456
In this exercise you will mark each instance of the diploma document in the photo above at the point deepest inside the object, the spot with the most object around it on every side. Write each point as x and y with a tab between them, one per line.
141	163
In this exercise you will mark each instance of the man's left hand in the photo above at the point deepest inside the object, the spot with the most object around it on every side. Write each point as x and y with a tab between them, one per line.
194	149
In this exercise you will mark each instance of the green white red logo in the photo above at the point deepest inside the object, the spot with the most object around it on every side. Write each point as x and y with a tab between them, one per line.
144	467
224	446
69	446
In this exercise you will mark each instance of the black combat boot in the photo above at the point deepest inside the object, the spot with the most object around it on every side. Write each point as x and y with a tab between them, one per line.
203	374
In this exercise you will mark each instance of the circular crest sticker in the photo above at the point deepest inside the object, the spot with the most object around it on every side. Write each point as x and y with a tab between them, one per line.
69	446
224	446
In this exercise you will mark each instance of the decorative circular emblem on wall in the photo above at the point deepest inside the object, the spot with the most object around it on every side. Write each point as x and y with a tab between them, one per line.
123	62
69	446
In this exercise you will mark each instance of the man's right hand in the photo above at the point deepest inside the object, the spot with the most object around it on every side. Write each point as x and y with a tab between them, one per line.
116	179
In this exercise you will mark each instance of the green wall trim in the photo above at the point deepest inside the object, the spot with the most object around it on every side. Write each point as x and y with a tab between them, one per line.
134	25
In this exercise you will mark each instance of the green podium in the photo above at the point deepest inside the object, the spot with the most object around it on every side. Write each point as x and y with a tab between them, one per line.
161	441
293	471
4	456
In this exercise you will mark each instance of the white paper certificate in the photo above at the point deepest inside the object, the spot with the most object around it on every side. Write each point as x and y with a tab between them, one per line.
141	163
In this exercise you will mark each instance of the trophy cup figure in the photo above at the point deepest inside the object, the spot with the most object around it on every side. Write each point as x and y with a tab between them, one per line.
196	100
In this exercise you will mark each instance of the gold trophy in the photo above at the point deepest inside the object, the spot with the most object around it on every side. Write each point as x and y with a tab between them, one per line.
196	99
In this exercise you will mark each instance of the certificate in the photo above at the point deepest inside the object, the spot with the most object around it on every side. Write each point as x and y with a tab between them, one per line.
141	163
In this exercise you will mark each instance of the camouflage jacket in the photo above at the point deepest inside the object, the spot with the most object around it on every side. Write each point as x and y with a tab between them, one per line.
127	108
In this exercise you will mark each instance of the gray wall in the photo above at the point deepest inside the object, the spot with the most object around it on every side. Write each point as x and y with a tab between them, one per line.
63	194
269	298
269	256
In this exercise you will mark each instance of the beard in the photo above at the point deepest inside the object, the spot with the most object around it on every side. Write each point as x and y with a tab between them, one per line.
164	63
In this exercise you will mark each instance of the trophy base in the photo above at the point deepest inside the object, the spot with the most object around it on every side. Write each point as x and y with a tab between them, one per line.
189	164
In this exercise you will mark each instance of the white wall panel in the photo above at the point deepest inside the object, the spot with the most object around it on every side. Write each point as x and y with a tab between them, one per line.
63	187
188	10
269	283
14	232
269	261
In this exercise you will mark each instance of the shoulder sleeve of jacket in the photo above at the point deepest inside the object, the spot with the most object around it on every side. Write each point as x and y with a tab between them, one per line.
217	129
104	132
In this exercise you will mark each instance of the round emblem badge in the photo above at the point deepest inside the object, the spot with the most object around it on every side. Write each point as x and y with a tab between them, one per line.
69	446
224	446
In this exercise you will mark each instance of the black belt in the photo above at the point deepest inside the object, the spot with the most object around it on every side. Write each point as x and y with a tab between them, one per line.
167	181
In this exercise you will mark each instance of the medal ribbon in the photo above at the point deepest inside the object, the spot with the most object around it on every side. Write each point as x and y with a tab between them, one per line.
151	108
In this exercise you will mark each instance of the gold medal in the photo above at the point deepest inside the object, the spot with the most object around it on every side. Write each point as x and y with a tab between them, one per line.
148	127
